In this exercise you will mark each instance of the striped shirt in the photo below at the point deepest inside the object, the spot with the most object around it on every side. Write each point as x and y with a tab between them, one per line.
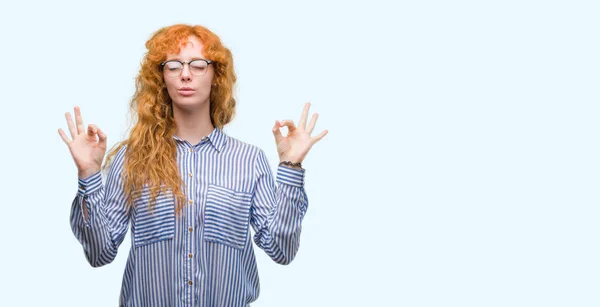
205	257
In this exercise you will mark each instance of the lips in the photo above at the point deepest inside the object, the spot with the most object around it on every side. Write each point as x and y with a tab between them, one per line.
186	91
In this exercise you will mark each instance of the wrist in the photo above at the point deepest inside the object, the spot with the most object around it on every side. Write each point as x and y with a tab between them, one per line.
86	173
294	165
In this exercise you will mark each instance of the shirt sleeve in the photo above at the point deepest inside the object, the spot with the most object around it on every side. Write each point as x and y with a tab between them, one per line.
108	216
277	211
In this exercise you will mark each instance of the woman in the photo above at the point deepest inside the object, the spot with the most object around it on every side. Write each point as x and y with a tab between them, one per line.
190	191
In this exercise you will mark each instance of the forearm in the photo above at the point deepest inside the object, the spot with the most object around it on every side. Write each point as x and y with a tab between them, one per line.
89	223
280	235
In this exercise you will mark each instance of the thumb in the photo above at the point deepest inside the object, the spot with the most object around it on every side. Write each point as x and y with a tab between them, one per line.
91	132
277	132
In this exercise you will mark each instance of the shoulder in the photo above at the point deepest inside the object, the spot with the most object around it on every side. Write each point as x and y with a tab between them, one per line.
120	155
237	146
115	163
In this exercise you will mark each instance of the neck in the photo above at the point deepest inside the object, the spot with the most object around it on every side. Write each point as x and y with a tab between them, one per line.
193	124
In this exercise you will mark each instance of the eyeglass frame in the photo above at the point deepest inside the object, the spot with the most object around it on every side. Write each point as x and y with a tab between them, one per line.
208	62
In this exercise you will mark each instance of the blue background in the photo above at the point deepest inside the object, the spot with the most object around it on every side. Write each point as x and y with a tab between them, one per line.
460	169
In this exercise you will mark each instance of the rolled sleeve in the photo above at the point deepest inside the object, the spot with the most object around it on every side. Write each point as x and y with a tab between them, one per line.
290	176
90	184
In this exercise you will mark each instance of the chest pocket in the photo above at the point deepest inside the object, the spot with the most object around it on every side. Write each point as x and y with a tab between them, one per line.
226	216
156	225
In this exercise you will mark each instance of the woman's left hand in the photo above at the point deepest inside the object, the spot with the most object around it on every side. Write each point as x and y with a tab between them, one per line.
296	144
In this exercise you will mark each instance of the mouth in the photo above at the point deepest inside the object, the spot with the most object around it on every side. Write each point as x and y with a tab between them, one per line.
186	91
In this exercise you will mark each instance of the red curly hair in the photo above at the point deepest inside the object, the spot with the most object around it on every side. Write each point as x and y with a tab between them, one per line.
150	156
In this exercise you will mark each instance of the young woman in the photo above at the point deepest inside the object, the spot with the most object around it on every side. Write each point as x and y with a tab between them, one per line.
189	190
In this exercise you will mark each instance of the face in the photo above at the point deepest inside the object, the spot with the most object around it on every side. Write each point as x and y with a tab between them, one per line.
189	91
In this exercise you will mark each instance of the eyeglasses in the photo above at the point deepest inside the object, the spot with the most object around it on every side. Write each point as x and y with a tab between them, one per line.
173	68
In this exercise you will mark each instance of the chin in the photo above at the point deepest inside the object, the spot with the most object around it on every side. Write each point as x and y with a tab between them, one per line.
188	102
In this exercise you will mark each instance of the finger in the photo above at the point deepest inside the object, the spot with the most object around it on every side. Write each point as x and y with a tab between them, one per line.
79	121
289	123
313	122
92	131
319	137
303	117
277	132
63	136
71	125
102	137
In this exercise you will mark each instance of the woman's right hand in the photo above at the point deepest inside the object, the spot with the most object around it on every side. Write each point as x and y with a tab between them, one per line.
87	150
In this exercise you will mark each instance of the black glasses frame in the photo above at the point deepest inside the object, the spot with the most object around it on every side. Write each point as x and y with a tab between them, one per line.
208	62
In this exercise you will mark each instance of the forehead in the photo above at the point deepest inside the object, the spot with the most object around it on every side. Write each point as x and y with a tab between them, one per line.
190	48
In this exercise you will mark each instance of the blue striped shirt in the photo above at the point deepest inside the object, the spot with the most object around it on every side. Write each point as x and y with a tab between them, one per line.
205	257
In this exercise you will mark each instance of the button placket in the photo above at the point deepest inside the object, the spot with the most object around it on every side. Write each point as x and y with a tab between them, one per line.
189	237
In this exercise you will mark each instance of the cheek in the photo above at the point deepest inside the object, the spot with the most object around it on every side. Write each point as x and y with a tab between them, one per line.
203	84
169	84
207	79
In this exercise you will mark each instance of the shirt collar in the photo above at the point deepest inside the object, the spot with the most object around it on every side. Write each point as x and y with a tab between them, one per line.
216	138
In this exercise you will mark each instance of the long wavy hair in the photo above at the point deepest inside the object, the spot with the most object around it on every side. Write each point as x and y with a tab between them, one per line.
150	160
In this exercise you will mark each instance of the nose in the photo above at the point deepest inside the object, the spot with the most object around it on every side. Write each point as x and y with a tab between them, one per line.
186	75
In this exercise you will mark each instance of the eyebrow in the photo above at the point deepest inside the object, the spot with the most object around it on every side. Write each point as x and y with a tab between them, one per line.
179	59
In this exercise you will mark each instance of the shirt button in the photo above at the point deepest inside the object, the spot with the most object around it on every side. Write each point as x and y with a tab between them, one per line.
190	255
190	174
190	229
191	150
190	282
190	201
